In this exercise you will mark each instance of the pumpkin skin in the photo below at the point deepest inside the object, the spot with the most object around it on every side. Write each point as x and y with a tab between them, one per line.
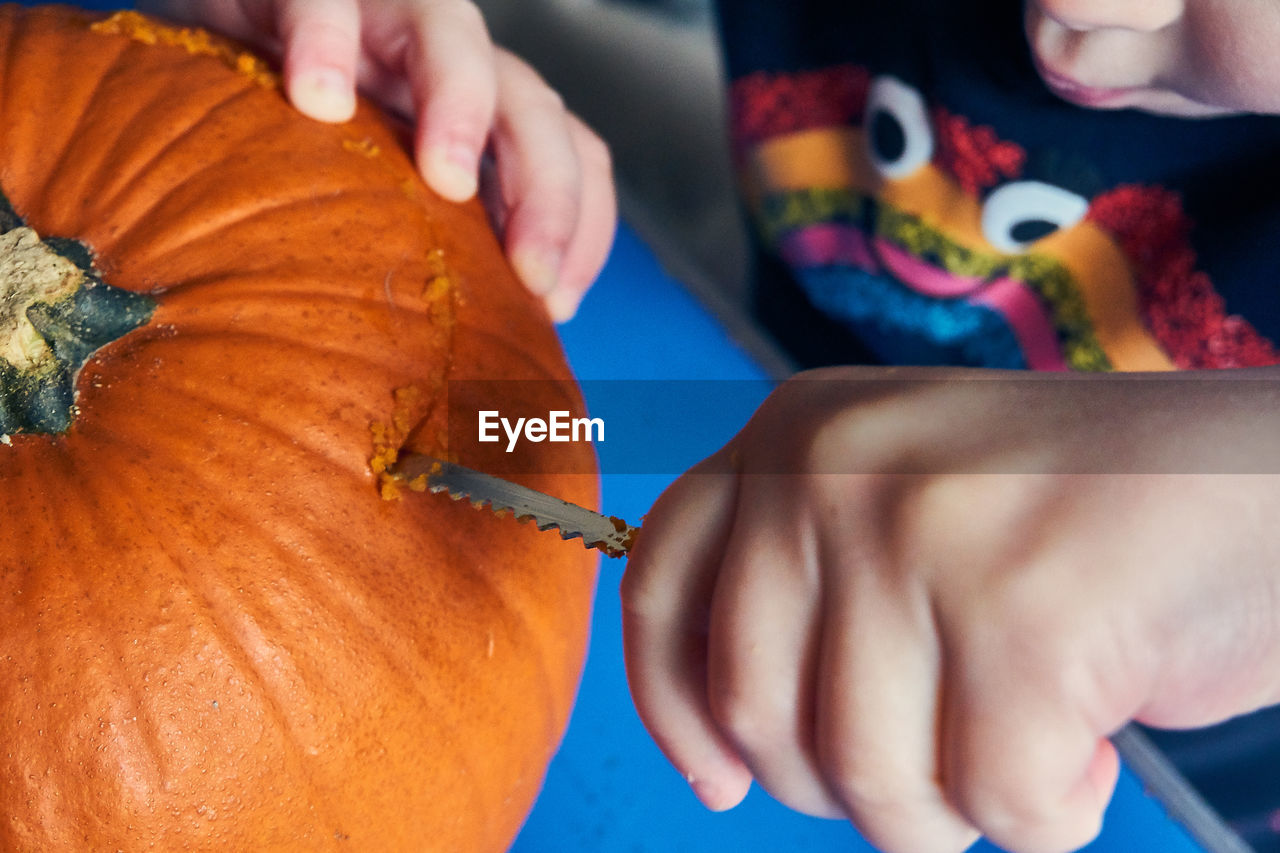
215	633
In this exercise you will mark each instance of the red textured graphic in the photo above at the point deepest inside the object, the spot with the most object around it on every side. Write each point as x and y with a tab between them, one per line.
974	156
764	104
1178	302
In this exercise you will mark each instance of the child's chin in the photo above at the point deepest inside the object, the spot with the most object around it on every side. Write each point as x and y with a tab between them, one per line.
1172	104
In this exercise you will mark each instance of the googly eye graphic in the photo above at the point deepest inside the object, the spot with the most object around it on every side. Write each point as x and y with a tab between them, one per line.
899	138
1020	213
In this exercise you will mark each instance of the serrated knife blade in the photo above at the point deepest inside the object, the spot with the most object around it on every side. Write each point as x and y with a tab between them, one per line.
420	472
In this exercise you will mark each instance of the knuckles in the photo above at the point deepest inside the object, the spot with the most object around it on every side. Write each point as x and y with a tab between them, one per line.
749	710
894	810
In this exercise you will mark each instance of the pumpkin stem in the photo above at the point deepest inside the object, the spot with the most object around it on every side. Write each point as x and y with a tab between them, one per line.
55	311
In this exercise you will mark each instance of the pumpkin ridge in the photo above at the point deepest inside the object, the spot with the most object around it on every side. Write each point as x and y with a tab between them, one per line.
296	280
219	288
218	296
229	643
192	476
543	684
339	602
376	373
233	405
147	217
7	54
275	682
234	402
60	512
216	223
77	125
117	182
400	656
213	228
69	130
188	446
191	582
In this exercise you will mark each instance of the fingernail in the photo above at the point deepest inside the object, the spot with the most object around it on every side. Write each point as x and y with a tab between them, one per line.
1104	772
539	270
707	794
562	304
325	94
451	171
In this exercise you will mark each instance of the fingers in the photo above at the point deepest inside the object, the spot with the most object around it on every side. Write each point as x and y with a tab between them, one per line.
559	209
593	238
433	61
1020	756
666	594
321	43
449	65
877	731
554	198
760	646
761	654
539	173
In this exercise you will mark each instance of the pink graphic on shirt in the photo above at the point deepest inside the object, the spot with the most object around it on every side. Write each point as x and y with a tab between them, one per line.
1021	309
1027	317
828	244
922	276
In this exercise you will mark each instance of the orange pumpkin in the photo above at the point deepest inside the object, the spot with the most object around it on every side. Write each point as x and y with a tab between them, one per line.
215	632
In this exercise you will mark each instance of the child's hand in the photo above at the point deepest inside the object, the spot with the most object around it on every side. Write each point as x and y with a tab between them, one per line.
934	630
433	60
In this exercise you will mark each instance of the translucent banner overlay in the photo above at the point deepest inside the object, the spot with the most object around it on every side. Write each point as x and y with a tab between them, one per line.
1188	423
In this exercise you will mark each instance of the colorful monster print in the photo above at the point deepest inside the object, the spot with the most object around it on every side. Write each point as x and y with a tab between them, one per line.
920	230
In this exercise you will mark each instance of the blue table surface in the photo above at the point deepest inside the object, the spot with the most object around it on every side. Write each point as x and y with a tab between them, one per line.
609	789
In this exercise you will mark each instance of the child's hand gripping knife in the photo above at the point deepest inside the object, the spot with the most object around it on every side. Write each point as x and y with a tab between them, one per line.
432	60
924	603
